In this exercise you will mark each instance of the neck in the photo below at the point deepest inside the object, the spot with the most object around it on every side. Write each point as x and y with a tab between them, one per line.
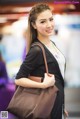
44	40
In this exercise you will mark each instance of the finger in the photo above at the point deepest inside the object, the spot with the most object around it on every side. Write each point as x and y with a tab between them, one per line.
45	74
50	75
66	113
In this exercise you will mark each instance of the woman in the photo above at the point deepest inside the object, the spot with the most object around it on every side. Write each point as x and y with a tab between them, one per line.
40	28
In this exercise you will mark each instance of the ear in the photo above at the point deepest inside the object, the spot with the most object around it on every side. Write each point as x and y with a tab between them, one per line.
33	24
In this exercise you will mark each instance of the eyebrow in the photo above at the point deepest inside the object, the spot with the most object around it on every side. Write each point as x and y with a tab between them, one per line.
42	19
45	19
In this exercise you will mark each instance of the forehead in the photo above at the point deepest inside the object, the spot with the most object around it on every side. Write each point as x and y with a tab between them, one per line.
45	15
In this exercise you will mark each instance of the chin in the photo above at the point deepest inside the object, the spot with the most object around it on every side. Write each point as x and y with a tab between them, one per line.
50	34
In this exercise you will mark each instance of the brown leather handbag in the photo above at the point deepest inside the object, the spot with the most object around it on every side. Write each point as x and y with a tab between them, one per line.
33	103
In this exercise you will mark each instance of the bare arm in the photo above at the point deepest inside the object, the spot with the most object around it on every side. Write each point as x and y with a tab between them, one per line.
26	82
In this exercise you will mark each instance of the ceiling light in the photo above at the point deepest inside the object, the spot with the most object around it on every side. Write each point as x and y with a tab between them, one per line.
21	9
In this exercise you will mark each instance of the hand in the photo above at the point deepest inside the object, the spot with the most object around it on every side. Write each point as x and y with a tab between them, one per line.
66	113
49	80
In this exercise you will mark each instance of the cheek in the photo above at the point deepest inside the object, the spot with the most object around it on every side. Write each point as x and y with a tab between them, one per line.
41	28
53	23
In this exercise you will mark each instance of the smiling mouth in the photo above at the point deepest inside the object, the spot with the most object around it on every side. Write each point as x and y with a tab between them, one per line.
49	31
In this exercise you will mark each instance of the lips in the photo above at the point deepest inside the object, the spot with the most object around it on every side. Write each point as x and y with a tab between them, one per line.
49	30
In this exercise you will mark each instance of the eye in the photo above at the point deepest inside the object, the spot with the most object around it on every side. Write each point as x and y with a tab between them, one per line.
42	22
51	19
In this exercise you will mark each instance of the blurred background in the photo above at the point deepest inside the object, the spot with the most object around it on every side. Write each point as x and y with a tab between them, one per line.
13	45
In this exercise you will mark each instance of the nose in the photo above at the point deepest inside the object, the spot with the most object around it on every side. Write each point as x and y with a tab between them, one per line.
48	24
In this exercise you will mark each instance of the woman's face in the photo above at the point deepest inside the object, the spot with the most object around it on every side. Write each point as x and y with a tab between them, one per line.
44	24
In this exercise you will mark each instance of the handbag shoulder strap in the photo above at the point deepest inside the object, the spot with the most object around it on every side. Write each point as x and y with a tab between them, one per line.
44	55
